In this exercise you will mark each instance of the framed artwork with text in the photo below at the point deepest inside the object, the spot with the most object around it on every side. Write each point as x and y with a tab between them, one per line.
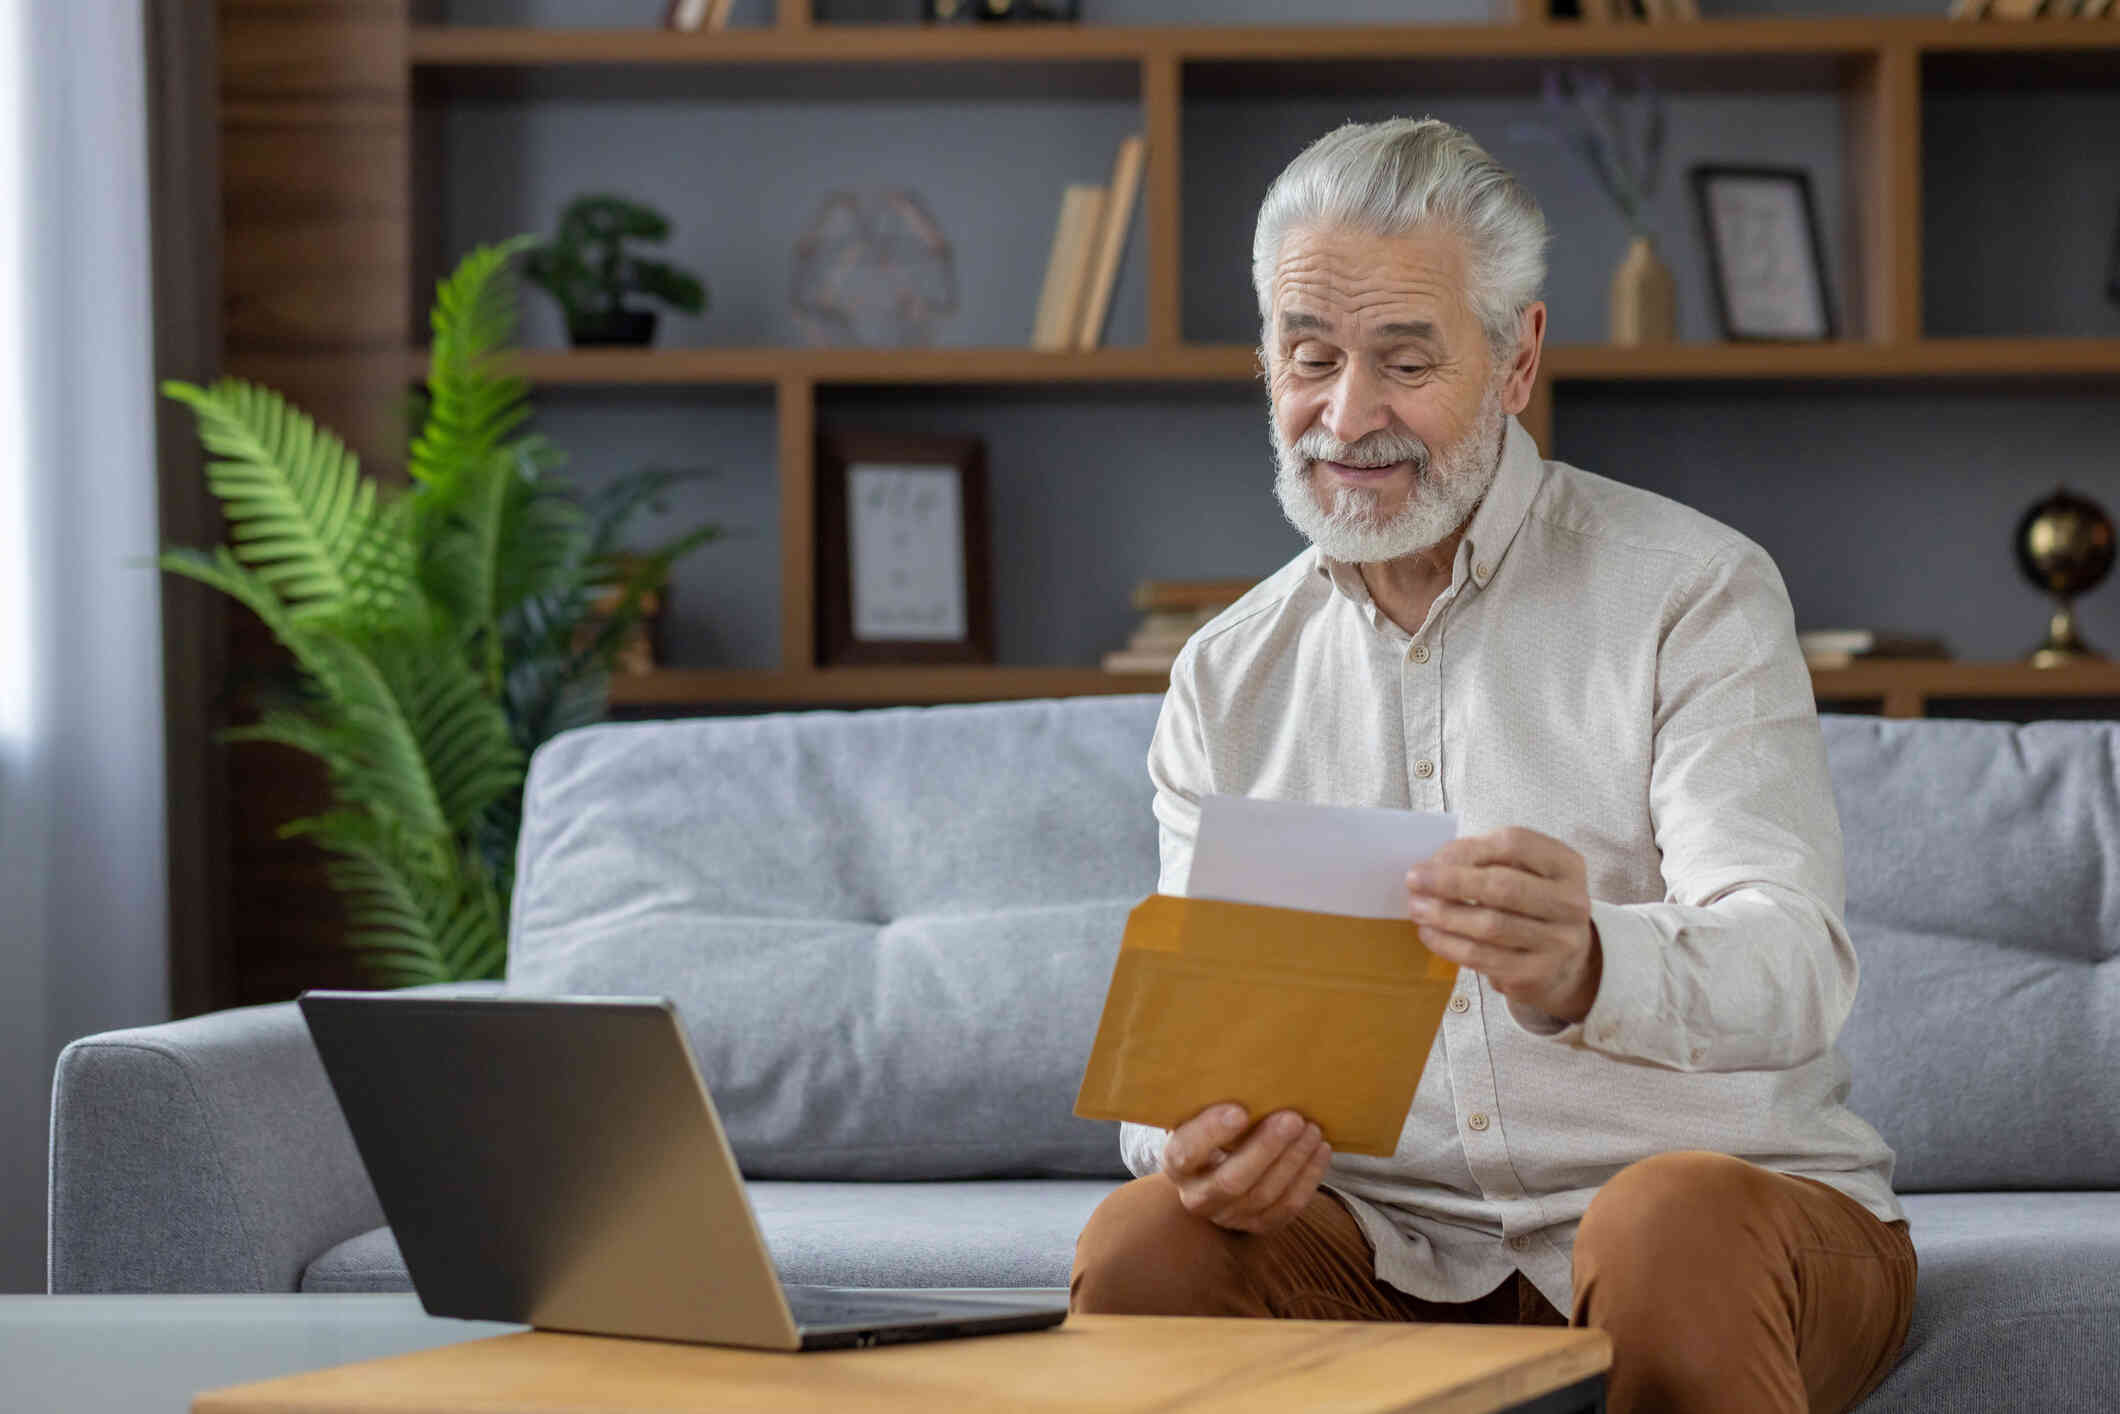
1765	258
902	550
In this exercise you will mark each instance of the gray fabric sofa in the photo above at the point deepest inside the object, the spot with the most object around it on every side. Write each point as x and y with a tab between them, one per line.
889	933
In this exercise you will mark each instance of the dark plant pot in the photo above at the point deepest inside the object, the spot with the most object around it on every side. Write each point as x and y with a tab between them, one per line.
613	326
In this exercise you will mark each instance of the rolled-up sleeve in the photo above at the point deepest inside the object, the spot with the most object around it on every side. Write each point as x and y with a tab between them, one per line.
1745	964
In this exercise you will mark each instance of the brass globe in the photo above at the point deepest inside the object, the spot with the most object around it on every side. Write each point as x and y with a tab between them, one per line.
2065	547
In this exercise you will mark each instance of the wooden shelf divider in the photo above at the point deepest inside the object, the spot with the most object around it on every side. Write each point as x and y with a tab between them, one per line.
797	422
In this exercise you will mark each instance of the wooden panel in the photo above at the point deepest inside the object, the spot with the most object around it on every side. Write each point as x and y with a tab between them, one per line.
1160	97
1891	682
1209	364
316	221
1882	171
1173	1364
481	45
798	524
314	118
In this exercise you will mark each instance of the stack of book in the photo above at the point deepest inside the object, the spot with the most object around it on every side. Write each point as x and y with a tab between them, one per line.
1084	263
1172	610
697	14
2035	10
1619	12
1844	647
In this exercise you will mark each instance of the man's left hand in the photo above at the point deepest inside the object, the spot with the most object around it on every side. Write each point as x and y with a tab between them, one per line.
1514	906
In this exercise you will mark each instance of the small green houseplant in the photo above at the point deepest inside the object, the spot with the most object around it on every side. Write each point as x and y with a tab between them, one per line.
586	268
439	633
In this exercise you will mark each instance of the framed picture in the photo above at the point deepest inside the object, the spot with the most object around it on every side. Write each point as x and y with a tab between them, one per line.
2112	276
1764	255
902	550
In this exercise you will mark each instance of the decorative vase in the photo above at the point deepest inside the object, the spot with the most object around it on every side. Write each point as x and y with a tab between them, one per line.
597	327
1644	298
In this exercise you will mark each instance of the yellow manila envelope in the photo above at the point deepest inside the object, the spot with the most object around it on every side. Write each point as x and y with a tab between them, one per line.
1274	1008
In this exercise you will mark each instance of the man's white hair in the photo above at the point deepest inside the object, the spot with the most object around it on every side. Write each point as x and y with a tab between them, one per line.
1405	174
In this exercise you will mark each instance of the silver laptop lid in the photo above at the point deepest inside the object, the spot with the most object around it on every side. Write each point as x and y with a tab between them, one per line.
552	1161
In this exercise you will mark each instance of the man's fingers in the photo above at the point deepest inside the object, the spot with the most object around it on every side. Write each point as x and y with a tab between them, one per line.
1508	968
1507	932
1296	1197
1202	1142
1526	849
1229	1184
1273	1185
1506	888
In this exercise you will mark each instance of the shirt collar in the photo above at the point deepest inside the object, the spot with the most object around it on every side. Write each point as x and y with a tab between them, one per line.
1494	524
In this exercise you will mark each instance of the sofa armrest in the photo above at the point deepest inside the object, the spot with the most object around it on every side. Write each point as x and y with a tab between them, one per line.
202	1155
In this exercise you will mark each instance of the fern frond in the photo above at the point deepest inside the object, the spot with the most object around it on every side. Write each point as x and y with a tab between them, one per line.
299	511
471	407
414	925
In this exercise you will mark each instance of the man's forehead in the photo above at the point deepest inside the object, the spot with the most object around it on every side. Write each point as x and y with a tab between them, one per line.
1409	285
1303	321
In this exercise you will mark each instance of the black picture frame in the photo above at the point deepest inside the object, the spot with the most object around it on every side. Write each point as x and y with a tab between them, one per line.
846	634
2112	275
1769	274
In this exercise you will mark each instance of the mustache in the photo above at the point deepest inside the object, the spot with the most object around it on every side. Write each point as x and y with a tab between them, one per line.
1377	449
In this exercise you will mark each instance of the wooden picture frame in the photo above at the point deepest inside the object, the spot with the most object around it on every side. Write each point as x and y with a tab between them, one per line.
1766	260
903	574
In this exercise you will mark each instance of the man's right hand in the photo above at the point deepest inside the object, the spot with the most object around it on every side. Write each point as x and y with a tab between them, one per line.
1256	1185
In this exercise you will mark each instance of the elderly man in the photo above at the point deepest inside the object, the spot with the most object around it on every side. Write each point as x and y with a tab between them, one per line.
1632	1113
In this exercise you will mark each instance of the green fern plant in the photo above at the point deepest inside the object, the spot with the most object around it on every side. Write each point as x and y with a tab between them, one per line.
439	633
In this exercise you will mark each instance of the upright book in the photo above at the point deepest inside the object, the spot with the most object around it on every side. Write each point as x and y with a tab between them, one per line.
1074	240
1111	242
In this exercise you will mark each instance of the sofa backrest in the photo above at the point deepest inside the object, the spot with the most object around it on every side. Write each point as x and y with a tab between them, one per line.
889	932
1983	864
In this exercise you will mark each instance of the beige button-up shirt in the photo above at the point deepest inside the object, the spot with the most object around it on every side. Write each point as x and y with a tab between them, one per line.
1619	672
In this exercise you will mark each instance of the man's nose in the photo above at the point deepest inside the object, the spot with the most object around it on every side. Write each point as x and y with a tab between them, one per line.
1357	405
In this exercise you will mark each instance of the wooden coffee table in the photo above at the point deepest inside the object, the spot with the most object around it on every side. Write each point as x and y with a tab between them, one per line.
1167	1363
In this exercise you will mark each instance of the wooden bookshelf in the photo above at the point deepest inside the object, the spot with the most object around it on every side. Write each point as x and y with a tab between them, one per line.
331	120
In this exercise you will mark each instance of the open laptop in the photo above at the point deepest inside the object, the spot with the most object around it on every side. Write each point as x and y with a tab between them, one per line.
557	1162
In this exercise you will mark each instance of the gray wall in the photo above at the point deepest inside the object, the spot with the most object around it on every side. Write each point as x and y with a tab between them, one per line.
1884	504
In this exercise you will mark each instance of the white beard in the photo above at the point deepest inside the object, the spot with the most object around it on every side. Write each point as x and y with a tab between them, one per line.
1447	487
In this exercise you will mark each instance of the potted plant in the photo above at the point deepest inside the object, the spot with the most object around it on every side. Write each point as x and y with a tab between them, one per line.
437	631
587	270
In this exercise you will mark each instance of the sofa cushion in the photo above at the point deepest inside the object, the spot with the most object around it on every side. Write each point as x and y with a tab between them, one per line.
999	1233
888	933
2017	1300
1983	867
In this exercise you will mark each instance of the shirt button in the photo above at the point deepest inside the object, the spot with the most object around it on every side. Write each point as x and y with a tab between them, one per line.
1420	652
1481	570
1518	1244
1424	768
1478	1121
1461	1003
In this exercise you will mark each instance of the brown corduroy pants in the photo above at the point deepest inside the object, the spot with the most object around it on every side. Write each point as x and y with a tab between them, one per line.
1724	1286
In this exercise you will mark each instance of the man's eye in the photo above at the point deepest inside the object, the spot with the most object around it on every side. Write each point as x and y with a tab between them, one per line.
1414	369
1313	363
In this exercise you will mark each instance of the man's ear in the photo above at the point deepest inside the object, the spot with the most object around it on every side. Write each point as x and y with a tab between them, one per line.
1523	366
